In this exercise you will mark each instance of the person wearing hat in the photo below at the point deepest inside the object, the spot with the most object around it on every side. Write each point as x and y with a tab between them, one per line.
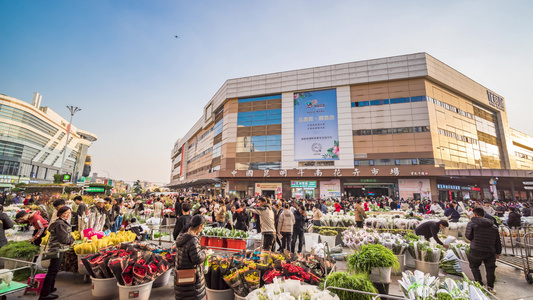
189	255
37	221
97	215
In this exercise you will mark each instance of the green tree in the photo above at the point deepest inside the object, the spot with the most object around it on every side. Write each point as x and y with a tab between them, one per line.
137	189
58	178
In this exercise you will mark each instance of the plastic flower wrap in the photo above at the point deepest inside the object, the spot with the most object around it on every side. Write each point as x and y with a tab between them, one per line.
289	290
354	237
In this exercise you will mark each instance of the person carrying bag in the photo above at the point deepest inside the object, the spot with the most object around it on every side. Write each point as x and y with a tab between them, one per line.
189	282
60	241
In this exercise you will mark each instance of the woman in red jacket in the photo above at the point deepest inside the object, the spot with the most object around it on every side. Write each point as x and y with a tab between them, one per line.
37	221
337	206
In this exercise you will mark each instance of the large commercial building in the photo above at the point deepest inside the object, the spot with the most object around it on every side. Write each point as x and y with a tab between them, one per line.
32	141
408	126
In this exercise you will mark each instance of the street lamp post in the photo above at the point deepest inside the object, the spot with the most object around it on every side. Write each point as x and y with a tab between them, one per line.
72	110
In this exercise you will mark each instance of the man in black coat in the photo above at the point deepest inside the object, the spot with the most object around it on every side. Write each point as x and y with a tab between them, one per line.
514	219
485	246
5	223
177	206
430	229
298	229
183	221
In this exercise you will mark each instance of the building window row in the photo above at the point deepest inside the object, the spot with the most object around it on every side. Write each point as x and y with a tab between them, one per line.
217	150
522	155
259	143
258	166
205	134
389	101
457	136
450	107
272	97
398	130
316	163
218	127
27	118
394	162
17	150
197	156
259	118
15	131
9	167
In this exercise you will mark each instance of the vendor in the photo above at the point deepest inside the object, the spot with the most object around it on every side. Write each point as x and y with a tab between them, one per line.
5	223
451	213
430	229
34	218
135	227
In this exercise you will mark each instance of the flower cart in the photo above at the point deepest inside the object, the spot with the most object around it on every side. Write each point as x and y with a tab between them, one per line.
517	245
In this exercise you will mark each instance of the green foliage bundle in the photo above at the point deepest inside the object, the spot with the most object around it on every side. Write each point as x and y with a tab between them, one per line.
327	232
372	256
23	250
358	282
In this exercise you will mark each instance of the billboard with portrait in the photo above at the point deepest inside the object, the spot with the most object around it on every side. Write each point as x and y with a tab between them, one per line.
414	189
316	132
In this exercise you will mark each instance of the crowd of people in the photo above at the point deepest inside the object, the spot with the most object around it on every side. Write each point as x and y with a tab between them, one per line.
281	222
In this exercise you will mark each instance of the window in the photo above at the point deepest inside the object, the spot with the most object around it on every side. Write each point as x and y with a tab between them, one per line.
27	118
399	100
426	161
362	132
418	99
379	102
402	130
361	104
421	129
14	131
406	161
383	162
244	100
259	118
218	127
382	131
259	143
366	162
9	167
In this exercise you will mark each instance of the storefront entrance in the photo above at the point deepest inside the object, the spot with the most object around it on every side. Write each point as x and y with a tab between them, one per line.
368	190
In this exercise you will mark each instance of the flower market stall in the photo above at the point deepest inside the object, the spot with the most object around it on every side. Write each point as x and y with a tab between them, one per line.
247	271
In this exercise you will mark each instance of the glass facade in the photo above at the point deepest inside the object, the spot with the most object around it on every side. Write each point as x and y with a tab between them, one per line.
27	118
259	118
259	143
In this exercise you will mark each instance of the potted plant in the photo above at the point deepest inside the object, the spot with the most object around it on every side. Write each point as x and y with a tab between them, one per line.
358	282
376	260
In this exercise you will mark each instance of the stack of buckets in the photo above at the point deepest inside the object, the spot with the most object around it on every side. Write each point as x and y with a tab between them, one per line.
107	289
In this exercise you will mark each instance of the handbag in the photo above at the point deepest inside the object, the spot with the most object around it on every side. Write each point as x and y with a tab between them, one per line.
186	276
50	255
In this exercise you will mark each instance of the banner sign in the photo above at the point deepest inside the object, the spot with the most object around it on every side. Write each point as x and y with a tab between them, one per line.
303	184
316	132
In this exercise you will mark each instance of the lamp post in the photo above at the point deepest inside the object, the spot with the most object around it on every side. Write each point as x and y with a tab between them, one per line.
72	110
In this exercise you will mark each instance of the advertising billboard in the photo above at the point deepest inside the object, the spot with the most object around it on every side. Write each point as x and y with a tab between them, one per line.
414	189
316	132
330	188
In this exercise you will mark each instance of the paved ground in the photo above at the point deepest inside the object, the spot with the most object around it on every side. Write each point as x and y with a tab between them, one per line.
511	285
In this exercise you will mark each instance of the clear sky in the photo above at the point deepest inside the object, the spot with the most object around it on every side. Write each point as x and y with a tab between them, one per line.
141	89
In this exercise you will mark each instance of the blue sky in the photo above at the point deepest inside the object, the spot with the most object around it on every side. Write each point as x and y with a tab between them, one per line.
140	88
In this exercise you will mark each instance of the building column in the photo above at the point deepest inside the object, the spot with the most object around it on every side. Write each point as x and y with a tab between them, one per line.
513	194
434	189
